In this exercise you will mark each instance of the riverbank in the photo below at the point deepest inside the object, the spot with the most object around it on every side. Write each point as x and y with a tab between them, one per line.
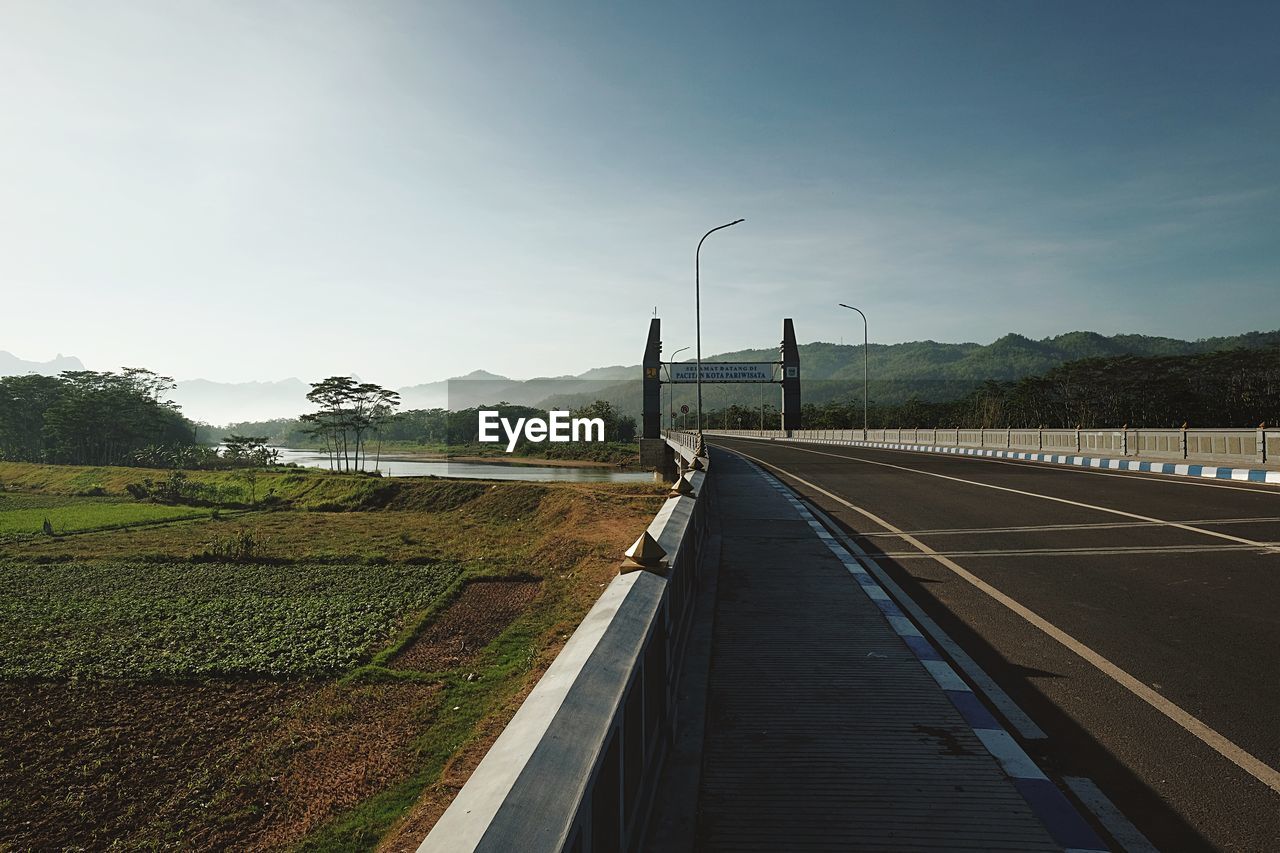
623	456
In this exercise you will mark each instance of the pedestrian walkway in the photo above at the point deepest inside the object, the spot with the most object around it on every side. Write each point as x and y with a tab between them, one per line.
831	723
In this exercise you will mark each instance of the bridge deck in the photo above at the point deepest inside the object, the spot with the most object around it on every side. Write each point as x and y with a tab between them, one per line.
824	730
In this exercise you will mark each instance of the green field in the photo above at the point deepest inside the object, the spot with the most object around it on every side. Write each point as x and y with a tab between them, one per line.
309	671
27	513
175	620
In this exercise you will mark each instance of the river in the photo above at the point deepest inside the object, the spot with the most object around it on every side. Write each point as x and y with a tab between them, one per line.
478	470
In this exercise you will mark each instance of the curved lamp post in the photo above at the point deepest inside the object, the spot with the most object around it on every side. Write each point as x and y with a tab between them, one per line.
697	311
865	359
672	423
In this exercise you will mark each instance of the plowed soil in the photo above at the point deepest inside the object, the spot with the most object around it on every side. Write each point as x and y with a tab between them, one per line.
475	618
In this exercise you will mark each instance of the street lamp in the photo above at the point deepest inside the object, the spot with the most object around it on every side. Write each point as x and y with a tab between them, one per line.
670	383
865	359
697	311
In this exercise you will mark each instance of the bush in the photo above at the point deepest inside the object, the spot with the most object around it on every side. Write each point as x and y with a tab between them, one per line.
240	547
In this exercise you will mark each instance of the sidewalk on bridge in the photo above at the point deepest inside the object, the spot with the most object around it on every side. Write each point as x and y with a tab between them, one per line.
831	723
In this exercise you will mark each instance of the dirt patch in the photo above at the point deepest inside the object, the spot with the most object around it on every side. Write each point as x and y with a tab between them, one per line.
474	620
436	495
347	745
509	501
213	766
86	765
408	833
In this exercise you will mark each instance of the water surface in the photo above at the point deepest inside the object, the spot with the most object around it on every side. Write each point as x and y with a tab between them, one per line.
476	470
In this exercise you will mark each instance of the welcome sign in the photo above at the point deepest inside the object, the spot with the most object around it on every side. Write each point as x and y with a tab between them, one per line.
723	371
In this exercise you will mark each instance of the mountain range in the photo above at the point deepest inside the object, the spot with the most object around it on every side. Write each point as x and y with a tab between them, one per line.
926	369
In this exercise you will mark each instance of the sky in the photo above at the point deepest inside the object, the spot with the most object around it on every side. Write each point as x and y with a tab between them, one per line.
411	191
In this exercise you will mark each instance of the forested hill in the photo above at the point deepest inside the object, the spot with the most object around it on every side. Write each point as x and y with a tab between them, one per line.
1010	357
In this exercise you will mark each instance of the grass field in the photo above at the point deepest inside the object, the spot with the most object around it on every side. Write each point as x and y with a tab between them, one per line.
318	676
25	514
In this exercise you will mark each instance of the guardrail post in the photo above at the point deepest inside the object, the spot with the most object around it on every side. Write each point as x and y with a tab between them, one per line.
1124	440
1262	444
1182	438
1040	439
1077	439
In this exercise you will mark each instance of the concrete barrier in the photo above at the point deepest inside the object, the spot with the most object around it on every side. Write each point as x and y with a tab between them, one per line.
575	768
1260	446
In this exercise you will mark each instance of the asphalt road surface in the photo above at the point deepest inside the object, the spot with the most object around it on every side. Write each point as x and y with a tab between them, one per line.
1135	617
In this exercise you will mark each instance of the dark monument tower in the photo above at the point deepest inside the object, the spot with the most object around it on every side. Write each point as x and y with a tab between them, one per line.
655	454
652	407
790	377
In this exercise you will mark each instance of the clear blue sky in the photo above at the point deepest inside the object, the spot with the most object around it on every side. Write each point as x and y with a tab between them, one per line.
408	191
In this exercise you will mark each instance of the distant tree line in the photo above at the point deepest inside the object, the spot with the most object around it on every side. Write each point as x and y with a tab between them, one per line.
86	417
1231	388
425	426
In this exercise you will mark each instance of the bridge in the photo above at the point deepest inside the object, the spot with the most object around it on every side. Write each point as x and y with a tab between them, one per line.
916	640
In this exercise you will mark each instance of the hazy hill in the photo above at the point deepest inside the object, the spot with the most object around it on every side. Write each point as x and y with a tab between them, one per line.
1009	357
11	365
926	369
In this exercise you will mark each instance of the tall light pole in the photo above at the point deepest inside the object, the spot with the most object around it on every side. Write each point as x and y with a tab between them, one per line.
697	311
865	359
670	383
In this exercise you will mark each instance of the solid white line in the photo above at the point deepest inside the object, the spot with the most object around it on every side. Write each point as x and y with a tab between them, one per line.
1216	741
1160	521
1050	528
1112	819
1125	550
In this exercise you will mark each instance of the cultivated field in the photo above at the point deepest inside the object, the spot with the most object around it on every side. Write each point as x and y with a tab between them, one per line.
296	659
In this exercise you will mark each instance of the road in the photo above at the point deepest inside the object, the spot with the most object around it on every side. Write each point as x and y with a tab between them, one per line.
1136	618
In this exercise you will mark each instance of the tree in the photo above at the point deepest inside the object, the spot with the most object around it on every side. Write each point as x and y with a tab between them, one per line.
347	411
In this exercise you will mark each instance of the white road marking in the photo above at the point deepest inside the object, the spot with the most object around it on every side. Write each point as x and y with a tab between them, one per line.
1159	521
1216	741
1012	758
1112	819
1104	525
1117	550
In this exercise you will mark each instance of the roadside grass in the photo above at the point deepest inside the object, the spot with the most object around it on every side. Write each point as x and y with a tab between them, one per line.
344	575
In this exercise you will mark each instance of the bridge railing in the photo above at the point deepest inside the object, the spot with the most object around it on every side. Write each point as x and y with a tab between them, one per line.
576	767
1218	445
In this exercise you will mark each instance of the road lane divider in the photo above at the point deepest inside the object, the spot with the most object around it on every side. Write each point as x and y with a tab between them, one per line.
1194	726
